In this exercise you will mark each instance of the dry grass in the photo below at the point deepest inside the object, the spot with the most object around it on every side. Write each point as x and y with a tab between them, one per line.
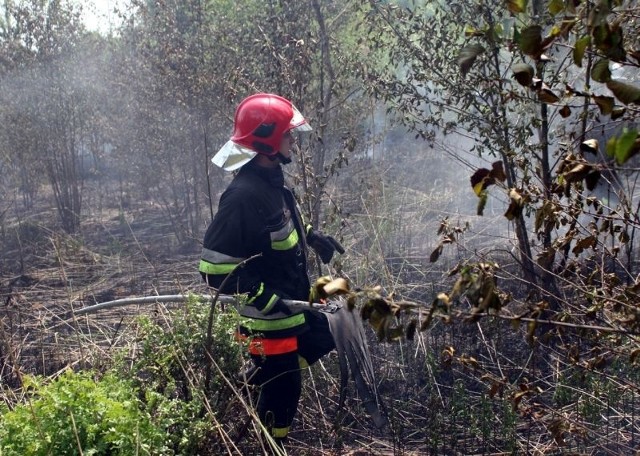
436	405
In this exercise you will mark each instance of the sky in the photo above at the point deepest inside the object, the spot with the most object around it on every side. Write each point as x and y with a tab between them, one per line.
99	14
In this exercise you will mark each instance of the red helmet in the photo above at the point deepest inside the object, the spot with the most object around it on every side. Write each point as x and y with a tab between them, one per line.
262	119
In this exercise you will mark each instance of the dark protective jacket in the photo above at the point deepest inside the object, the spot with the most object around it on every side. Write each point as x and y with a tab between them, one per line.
257	238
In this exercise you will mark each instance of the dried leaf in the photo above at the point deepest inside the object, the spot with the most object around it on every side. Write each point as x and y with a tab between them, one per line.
606	104
592	180
427	321
468	56
523	73
435	254
336	287
546	95
546	258
444	298
469	361
590	145
565	111
623	237
515	206
578	172
497	171
517	6
543	214
531	330
618	112
584	243
517	397
557	428
393	334
411	329
480	180
317	289
495	387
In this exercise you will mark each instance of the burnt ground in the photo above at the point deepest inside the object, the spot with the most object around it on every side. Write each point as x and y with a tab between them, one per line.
46	274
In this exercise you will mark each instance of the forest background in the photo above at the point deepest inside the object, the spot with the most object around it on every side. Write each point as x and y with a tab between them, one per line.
476	159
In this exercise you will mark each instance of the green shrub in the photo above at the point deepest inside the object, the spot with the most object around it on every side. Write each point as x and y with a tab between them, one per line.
169	366
77	414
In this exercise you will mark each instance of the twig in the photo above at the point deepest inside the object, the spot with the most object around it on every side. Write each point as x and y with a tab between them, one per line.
552	323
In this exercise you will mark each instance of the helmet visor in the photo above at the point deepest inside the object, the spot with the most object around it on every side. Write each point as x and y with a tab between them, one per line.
298	122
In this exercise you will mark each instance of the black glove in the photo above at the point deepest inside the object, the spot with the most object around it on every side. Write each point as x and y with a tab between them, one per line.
323	245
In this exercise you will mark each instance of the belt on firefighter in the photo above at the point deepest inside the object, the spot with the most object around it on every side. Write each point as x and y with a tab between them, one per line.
264	347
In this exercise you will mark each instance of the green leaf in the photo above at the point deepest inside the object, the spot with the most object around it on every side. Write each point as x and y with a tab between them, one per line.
611	146
523	73
516	6
626	93
625	145
471	32
482	202
580	47
600	71
531	41
468	56
555	7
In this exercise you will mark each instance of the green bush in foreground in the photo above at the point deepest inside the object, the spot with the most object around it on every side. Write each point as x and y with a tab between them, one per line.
169	367
79	415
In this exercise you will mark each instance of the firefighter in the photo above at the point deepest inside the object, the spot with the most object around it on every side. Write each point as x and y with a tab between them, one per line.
256	245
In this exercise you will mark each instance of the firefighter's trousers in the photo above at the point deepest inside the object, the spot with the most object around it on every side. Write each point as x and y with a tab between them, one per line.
280	378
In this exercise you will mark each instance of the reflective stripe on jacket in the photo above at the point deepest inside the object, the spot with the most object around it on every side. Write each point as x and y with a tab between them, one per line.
265	347
257	236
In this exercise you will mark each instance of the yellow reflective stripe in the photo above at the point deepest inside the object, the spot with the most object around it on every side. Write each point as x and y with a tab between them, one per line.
287	243
274	325
279	433
220	269
270	304
258	293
